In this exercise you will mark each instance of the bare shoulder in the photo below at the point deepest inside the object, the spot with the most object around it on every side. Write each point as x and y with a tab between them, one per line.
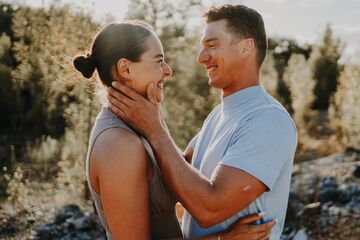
118	147
120	173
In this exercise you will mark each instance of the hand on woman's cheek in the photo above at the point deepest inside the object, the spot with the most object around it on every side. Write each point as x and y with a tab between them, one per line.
130	84
151	93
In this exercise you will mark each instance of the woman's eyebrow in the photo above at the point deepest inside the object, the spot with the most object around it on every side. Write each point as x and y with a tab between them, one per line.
159	56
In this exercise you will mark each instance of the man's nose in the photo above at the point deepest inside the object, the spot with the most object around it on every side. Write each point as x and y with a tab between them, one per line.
203	56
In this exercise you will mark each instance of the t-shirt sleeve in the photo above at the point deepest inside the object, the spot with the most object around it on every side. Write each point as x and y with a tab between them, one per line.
193	142
262	145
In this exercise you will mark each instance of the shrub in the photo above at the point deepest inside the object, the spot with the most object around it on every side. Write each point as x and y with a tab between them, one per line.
344	111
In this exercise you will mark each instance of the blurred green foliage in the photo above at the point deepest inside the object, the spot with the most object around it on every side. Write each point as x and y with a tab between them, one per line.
47	109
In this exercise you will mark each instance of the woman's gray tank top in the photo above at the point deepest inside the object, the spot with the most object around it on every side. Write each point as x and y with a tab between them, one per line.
163	220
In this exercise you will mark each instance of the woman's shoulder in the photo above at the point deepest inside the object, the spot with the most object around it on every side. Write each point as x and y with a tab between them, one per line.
117	155
118	145
117	136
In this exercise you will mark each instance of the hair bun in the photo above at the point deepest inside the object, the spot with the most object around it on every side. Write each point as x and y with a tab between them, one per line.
85	65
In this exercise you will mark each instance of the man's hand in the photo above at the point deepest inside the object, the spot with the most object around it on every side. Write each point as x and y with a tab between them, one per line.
142	114
244	230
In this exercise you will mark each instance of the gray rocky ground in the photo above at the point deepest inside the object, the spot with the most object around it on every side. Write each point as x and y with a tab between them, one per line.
324	204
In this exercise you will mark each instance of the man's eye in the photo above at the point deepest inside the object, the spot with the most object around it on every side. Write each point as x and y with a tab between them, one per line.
160	61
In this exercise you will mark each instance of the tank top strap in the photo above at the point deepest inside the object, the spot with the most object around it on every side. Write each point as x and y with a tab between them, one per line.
150	153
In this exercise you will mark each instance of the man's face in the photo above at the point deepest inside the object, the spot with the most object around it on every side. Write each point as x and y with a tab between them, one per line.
220	54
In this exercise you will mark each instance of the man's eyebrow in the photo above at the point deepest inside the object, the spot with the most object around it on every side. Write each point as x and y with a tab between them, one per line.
209	40
159	56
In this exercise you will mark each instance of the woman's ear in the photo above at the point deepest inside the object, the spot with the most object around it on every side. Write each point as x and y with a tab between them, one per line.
122	69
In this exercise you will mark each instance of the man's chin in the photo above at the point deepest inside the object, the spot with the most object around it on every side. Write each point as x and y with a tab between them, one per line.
213	83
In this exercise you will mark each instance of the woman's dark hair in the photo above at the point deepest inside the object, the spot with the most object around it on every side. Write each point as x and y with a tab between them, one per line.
116	41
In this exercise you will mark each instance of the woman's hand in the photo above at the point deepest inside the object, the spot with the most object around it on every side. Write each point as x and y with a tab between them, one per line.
244	230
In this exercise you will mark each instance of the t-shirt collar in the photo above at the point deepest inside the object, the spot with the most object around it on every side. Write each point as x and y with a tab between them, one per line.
240	97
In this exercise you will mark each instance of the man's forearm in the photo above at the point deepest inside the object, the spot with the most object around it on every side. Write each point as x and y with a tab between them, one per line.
197	194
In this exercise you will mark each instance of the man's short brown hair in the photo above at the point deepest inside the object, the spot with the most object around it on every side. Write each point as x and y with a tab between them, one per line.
242	22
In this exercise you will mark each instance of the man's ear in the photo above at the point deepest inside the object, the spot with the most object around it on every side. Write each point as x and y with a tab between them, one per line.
122	69
247	47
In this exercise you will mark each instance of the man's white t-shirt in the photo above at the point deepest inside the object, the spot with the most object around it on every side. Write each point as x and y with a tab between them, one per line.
250	131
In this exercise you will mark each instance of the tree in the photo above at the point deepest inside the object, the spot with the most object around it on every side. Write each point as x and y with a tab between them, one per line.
326	69
269	76
298	78
43	39
55	100
8	100
344	110
282	49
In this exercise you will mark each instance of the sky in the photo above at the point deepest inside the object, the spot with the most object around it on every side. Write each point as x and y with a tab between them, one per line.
302	20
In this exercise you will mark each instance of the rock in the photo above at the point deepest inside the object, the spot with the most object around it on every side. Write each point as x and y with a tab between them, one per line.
350	150
334	211
71	223
301	235
354	205
34	238
31	219
82	223
328	182
356	171
85	237
67	212
67	237
323	199
311	208
44	232
329	195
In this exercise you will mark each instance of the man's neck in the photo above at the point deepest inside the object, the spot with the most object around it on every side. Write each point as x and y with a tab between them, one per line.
240	85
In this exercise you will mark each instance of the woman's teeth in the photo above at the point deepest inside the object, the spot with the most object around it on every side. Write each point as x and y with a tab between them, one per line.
213	68
160	85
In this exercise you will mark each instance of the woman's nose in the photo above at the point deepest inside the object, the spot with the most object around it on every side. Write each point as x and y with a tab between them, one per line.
167	70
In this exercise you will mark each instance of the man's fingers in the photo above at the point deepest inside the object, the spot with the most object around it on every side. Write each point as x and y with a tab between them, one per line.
265	237
118	104
115	97
151	93
122	105
251	218
126	90
266	227
118	111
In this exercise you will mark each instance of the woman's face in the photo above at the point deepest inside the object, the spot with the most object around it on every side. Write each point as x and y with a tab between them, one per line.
150	68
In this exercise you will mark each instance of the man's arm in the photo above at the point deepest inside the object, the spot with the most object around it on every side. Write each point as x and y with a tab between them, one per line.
188	154
209	201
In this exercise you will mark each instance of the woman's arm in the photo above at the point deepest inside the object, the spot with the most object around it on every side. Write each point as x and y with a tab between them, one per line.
121	167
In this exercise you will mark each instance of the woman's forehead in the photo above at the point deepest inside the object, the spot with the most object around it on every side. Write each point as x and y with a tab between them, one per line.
155	48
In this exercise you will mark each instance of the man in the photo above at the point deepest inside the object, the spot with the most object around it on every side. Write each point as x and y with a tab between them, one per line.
243	155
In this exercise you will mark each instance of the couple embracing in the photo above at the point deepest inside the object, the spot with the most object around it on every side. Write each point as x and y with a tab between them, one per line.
237	167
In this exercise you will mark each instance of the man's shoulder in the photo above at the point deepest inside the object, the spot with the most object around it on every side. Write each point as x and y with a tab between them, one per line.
271	111
213	114
269	119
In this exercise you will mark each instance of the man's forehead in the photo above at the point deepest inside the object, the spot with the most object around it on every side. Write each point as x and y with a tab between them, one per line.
213	30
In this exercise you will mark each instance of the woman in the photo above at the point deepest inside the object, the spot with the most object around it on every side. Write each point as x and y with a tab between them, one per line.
132	200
